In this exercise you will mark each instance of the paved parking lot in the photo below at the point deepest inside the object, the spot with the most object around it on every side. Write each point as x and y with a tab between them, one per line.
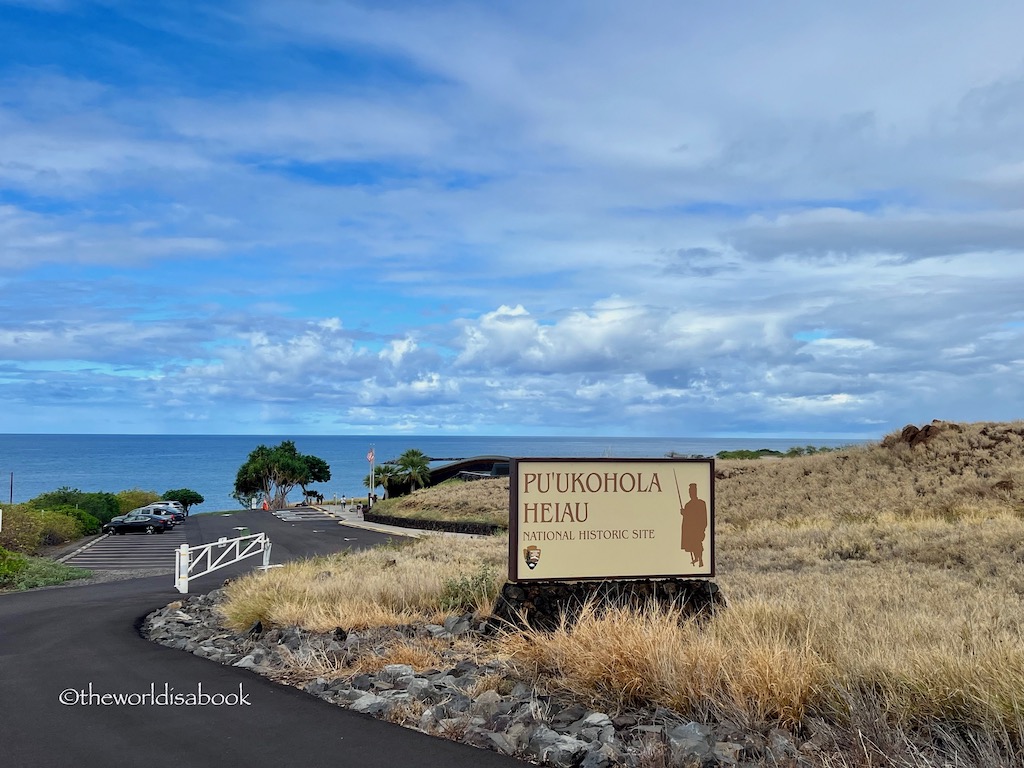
302	514
138	551
131	551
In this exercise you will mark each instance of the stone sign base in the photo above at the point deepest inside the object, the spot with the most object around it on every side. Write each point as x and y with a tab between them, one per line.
541	604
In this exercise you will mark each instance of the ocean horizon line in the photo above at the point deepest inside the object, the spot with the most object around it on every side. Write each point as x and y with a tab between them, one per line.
208	464
471	435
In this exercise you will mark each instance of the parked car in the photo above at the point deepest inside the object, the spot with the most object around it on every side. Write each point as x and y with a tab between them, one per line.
137	521
176	504
163	508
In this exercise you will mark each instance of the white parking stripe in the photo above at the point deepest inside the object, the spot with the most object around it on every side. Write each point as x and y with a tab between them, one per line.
305	513
134	550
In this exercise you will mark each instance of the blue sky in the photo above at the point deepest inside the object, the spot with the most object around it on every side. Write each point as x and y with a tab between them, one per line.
666	218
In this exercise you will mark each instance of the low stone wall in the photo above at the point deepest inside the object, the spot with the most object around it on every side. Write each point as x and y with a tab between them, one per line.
480	529
542	603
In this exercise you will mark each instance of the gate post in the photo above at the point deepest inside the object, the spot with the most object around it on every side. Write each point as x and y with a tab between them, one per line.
181	569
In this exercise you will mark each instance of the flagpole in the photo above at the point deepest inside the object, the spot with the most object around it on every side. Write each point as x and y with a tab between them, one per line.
373	480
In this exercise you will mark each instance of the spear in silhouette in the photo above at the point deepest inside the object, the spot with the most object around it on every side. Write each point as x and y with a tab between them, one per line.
679	494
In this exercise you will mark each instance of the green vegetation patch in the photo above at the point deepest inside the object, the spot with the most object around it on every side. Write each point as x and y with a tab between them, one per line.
102	506
469	592
11	564
27	529
768	453
18	572
760	453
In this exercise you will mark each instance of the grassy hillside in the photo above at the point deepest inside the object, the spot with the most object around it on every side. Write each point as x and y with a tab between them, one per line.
875	594
477	501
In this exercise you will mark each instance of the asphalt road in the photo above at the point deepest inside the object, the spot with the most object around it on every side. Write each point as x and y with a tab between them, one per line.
77	643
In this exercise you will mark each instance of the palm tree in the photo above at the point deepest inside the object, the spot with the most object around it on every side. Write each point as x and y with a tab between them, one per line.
384	475
414	467
387	474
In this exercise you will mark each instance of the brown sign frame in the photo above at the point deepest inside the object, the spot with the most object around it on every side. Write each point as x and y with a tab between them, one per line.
517	571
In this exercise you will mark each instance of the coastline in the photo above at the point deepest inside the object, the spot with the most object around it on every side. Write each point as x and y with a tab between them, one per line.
208	463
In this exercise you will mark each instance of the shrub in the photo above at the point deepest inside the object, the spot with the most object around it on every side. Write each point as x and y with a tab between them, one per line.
135	498
56	528
42	572
21	528
63	496
87	524
464	593
52	518
11	564
102	506
761	453
744	453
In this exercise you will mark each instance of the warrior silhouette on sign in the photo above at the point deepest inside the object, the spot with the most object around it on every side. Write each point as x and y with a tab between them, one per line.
695	525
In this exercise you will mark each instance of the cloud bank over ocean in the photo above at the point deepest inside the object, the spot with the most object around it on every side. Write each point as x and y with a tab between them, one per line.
510	218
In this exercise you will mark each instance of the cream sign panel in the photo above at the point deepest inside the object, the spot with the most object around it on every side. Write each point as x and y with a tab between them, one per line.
611	518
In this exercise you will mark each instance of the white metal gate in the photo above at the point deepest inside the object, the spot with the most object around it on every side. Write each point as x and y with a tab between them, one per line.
193	562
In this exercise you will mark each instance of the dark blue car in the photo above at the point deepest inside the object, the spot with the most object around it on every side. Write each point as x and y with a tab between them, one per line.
138	522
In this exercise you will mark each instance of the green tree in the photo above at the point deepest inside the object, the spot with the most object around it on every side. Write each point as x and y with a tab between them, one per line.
385	475
317	471
273	472
414	467
185	496
246	499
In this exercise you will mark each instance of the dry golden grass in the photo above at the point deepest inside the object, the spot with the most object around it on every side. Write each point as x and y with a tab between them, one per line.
878	591
902	565
387	586
421	653
406	713
479	501
622	659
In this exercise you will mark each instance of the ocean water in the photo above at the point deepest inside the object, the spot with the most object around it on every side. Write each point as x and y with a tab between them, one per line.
34	464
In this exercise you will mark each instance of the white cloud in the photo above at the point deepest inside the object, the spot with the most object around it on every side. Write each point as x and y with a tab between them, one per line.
397	349
685	218
838	233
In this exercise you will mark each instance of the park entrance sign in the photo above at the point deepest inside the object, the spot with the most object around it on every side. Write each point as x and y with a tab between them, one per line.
581	519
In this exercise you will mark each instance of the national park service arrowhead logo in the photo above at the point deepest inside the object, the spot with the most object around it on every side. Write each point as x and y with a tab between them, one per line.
532	556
